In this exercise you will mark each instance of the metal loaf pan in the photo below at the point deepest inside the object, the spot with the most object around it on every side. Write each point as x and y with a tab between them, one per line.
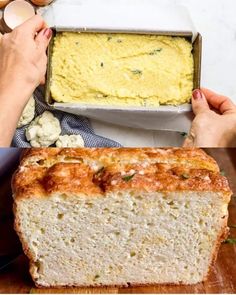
175	118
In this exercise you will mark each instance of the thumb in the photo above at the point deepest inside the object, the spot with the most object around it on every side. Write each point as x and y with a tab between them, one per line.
199	102
190	139
189	142
43	38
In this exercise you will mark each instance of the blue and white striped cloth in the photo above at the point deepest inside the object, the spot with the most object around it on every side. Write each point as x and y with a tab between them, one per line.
70	124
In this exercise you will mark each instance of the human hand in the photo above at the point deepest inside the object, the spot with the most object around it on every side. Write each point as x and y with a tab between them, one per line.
215	121
23	63
23	57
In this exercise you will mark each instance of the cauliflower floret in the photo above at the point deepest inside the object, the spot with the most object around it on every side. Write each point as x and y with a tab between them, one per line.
72	141
44	130
28	113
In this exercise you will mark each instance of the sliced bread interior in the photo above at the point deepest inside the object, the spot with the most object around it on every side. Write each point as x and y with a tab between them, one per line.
99	217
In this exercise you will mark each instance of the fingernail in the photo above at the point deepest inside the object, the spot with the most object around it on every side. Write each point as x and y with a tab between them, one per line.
47	33
197	94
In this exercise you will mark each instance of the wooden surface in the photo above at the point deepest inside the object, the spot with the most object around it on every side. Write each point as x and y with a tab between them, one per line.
14	277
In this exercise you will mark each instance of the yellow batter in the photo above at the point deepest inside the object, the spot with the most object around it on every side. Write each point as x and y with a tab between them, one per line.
121	69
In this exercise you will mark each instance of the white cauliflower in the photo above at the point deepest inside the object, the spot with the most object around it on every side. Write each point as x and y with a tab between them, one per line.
44	130
28	113
72	141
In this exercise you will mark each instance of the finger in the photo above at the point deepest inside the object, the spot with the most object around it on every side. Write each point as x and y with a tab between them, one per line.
4	39
188	143
32	25
199	102
43	38
219	102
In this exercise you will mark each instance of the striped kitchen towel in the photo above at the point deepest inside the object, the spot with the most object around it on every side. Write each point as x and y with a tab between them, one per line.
70	124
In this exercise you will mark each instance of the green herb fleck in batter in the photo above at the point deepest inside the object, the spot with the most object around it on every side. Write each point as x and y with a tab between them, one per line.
137	72
155	51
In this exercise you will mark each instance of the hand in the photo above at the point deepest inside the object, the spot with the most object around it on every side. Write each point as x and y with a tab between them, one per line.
23	63
23	57
215	121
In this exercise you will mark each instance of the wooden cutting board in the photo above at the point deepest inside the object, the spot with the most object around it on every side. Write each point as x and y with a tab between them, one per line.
14	278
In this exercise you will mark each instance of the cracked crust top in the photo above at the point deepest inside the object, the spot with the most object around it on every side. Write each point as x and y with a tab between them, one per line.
43	172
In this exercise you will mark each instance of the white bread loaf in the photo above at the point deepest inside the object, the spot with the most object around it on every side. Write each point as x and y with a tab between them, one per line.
96	217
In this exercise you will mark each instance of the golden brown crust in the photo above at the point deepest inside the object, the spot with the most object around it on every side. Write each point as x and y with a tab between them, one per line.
170	179
188	156
43	172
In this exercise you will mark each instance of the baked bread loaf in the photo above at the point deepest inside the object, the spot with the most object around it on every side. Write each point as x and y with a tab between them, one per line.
96	217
